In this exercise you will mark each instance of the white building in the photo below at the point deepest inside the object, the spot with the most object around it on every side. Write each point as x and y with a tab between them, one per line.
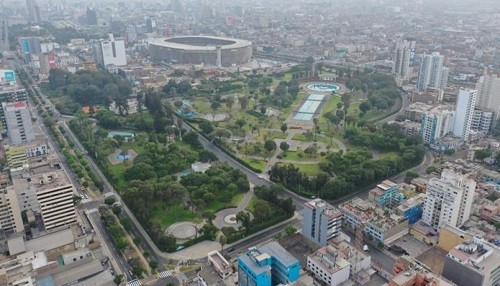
10	214
19	124
464	112
432	73
54	193
322	221
436	124
482	120
402	59
219	263
488	94
328	266
111	52
449	200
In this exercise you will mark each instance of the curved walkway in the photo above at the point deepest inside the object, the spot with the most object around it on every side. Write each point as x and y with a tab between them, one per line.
221	218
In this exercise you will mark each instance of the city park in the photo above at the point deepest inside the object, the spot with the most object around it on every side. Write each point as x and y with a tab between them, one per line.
283	126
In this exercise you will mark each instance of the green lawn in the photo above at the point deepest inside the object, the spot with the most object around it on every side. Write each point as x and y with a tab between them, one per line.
236	200
174	214
332	104
275	134
388	155
252	203
293	155
308	169
118	171
257	164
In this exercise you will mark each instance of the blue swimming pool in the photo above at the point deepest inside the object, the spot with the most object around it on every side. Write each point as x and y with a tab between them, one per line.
121	157
124	133
323	87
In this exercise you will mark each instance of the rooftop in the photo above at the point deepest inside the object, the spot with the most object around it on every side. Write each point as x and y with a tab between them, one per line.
330	259
328	209
477	254
13	106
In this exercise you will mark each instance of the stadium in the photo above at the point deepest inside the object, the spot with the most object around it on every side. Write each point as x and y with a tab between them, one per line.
197	50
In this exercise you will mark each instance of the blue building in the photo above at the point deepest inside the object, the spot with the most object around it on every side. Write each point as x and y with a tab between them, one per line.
268	264
412	208
385	194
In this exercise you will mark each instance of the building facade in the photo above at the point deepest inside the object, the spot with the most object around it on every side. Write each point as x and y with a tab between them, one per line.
402	59
488	94
436	124
10	214
482	121
464	112
19	124
449	200
473	263
111	52
266	265
432	73
322	221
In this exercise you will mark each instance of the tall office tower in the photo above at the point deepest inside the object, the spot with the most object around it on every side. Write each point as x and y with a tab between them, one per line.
267	264
402	59
30	46
464	113
436	124
111	52
322	221
176	5
150	25
19	124
488	94
10	213
432	73
91	16
33	12
449	200
54	193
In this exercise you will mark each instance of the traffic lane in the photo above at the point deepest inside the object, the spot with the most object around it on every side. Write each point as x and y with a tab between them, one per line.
107	239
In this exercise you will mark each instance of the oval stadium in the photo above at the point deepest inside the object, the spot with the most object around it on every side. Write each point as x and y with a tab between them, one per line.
198	50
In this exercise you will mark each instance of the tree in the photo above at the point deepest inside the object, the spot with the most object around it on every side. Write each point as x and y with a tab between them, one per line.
222	241
284	146
178	104
482	154
206	126
270	146
230	102
290	230
215	105
240	123
244	218
118	279
365	106
284	127
262	210
243	102
110	200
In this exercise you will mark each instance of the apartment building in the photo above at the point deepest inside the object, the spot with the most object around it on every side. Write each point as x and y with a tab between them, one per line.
322	221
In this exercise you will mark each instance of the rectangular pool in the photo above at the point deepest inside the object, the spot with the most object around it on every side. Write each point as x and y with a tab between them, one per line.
316	97
303	116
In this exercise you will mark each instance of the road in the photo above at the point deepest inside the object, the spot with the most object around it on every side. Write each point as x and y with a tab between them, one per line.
405	102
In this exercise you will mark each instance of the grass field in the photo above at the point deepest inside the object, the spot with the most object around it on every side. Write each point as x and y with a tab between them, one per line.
252	203
257	164
173	215
308	169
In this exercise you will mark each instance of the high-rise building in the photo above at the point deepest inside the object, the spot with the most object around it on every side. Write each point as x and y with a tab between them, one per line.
266	265
488	94
19	124
54	193
10	214
402	59
30	46
449	200
91	17
436	124
432	73
150	25
474	262
111	52
482	120
33	12
464	112
322	221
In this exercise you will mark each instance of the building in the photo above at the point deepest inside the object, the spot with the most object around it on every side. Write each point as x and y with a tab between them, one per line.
328	266
488	94
219	263
416	111
322	221
19	123
482	121
464	112
337	262
412	209
111	52
450	237
449	200
54	193
380	225
33	12
267	264
91	16
10	214
418	278
473	263
385	194
432	73
402	59
201	50
30	46
436	124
